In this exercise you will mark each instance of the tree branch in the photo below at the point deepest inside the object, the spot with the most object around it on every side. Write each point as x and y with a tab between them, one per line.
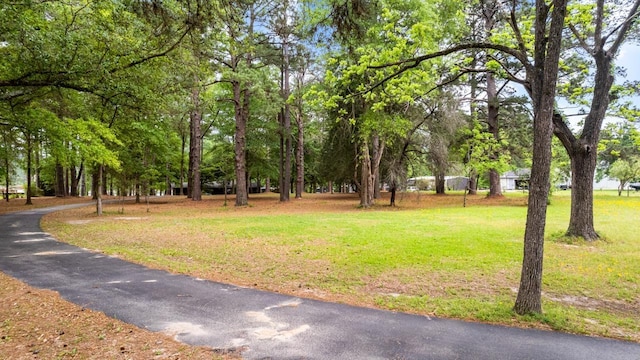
516	30
414	62
581	41
624	27
563	133
153	56
597	35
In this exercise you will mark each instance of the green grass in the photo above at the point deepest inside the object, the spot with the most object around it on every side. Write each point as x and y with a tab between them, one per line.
445	260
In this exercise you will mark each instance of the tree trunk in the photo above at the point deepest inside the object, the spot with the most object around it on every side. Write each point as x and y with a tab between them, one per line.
103	182
583	151
73	176
583	166
392	189
378	148
493	107
37	149
494	128
167	179
300	154
542	78
29	151
366	183
98	186
6	179
67	181
440	183
60	187
285	142
78	178
95	179
473	183
495	188
7	171
241	96
285	156
183	138
83	181
195	148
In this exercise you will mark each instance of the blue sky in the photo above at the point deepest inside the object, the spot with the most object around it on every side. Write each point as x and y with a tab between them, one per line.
629	57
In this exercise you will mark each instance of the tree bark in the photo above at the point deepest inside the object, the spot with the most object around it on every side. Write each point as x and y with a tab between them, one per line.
29	151
285	142
392	189
95	179
440	183
378	148
7	178
73	176
583	167
241	99
103	181
300	153
98	187
183	138
285	155
493	106
494	128
495	188
473	183
195	148
137	190
60	188
83	182
366	183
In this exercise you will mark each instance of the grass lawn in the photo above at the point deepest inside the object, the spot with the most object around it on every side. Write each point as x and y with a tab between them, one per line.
427	256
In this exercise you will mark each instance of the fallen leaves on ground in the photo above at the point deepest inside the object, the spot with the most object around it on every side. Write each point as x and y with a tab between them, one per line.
38	324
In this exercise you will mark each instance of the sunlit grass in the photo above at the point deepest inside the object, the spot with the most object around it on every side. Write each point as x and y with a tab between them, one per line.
429	256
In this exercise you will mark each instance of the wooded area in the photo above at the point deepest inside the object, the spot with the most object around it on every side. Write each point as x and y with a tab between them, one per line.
138	97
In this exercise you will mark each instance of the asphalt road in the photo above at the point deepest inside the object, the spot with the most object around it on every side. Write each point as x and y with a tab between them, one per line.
266	325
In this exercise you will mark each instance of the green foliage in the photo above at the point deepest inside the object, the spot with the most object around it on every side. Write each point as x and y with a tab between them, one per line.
625	170
483	152
618	141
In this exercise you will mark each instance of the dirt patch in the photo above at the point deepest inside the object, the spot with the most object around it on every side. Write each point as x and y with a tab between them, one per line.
38	324
79	222
589	303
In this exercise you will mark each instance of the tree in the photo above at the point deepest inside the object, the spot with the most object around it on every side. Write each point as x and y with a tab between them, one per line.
542	77
541	74
80	61
599	33
618	141
625	171
485	153
444	121
242	68
365	97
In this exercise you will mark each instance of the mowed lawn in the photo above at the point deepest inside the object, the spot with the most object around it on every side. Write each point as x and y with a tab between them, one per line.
429	255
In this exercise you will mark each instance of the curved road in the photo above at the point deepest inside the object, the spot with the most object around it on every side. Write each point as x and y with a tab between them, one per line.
262	324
